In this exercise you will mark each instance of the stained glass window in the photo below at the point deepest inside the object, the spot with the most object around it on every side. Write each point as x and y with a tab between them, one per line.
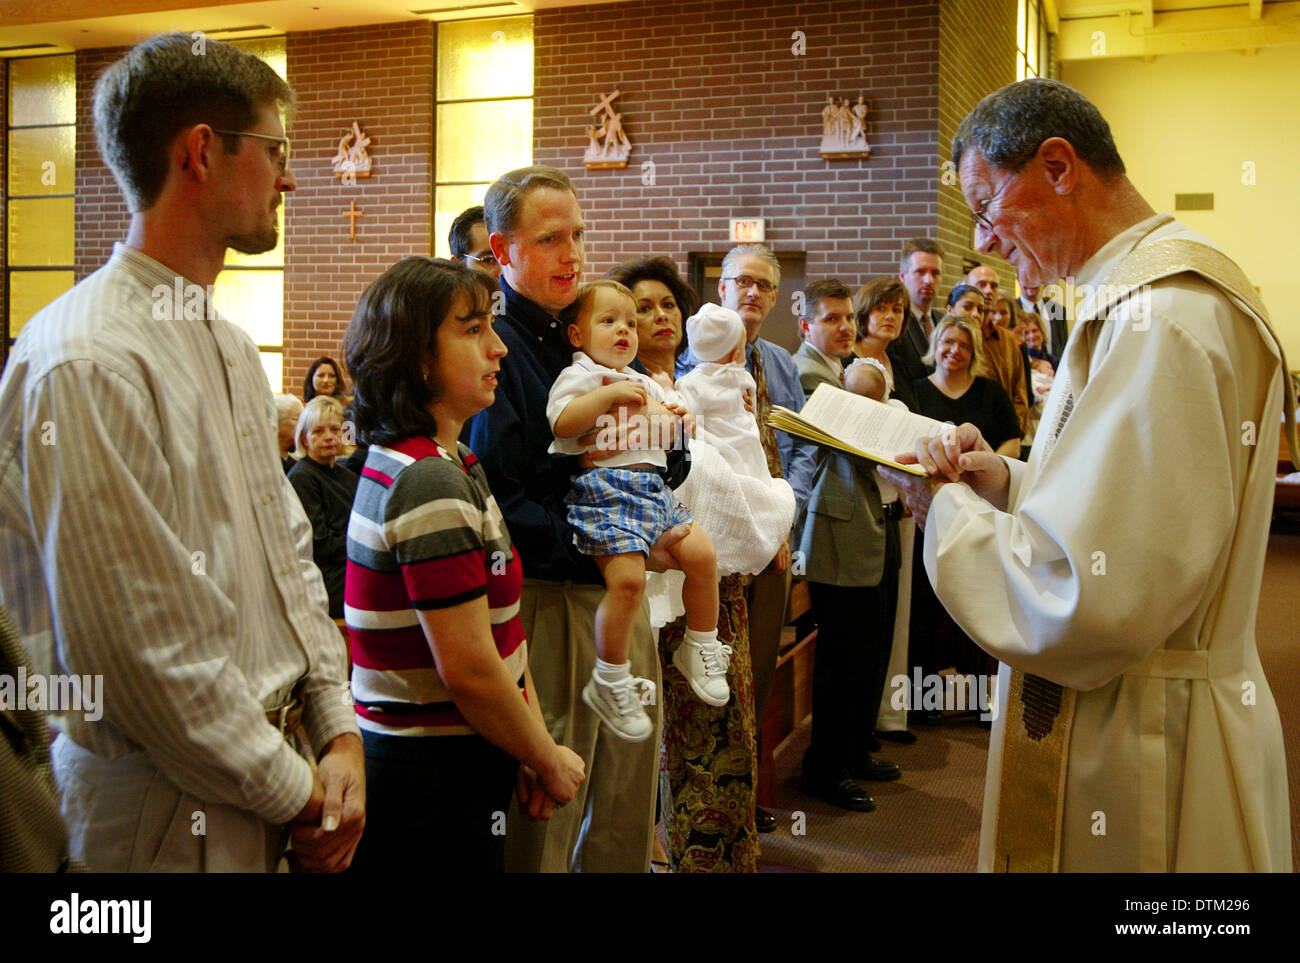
484	112
40	179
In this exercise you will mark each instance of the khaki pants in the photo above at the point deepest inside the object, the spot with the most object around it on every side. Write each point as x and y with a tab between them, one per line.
890	719
608	827
125	816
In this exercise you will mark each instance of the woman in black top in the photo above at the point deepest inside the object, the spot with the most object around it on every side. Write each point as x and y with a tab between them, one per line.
325	490
324	378
957	394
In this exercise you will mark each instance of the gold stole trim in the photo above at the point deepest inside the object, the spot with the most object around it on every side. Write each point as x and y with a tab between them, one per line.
1040	713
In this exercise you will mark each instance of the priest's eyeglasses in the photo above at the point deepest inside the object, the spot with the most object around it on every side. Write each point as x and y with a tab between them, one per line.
487	260
981	215
745	282
282	155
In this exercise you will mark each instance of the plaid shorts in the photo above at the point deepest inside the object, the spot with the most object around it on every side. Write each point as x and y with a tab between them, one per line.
617	511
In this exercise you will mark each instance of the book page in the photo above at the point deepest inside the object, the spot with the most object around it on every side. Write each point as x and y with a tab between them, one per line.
880	430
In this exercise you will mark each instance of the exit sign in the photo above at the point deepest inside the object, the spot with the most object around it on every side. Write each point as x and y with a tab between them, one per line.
748	230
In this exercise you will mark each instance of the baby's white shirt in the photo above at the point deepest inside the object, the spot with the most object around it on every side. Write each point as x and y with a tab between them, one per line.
586	375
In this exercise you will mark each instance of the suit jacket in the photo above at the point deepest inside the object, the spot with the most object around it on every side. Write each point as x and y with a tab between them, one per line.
907	350
841	531
32	836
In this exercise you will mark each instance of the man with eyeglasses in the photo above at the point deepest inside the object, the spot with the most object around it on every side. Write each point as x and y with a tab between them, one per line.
468	240
751	277
148	534
1117	574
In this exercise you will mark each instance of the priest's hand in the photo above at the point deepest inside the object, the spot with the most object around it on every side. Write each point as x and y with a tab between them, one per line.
958	455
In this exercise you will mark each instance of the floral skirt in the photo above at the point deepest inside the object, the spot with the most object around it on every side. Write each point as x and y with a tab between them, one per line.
709	771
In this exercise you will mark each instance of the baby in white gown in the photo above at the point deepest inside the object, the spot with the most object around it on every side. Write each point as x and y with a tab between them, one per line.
721	393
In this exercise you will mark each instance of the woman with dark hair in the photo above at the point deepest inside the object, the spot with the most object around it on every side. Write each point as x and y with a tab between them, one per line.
1006	315
440	681
966	301
324	378
710	760
663	302
883	309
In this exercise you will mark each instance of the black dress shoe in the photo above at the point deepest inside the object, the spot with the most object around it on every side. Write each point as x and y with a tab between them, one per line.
876	770
900	736
929	717
844	793
764	820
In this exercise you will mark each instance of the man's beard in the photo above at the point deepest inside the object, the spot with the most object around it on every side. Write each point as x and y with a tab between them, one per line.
257	243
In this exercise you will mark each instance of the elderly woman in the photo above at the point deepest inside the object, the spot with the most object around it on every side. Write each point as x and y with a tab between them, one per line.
710	759
443	694
287	410
957	392
325	490
324	378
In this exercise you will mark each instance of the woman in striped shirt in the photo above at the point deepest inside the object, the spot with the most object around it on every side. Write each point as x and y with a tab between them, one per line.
440	675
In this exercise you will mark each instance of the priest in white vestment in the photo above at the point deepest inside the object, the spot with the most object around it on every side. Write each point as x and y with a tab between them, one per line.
1117	574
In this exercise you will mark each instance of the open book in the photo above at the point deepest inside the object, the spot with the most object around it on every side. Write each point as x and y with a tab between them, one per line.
858	426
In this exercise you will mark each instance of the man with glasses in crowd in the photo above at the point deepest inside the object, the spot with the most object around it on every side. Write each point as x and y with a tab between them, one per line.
751	278
148	534
468	240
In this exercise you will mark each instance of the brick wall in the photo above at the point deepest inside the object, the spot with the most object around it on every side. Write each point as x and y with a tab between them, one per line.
102	217
381	77
712	94
977	55
731	118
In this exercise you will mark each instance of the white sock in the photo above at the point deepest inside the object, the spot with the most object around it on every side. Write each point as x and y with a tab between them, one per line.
701	638
613	671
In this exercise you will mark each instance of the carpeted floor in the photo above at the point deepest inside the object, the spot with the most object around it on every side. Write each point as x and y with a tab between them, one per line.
928	821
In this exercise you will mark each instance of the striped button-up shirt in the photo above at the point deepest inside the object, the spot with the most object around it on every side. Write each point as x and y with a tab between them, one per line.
148	535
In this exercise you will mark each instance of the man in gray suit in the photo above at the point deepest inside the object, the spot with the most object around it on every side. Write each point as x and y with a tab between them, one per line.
851	567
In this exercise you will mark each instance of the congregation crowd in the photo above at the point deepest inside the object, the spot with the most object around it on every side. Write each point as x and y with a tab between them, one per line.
560	633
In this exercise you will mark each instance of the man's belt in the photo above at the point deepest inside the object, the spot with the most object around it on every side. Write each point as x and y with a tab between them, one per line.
288	717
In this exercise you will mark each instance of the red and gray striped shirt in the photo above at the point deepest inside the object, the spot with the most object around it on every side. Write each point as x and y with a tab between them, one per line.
425	533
